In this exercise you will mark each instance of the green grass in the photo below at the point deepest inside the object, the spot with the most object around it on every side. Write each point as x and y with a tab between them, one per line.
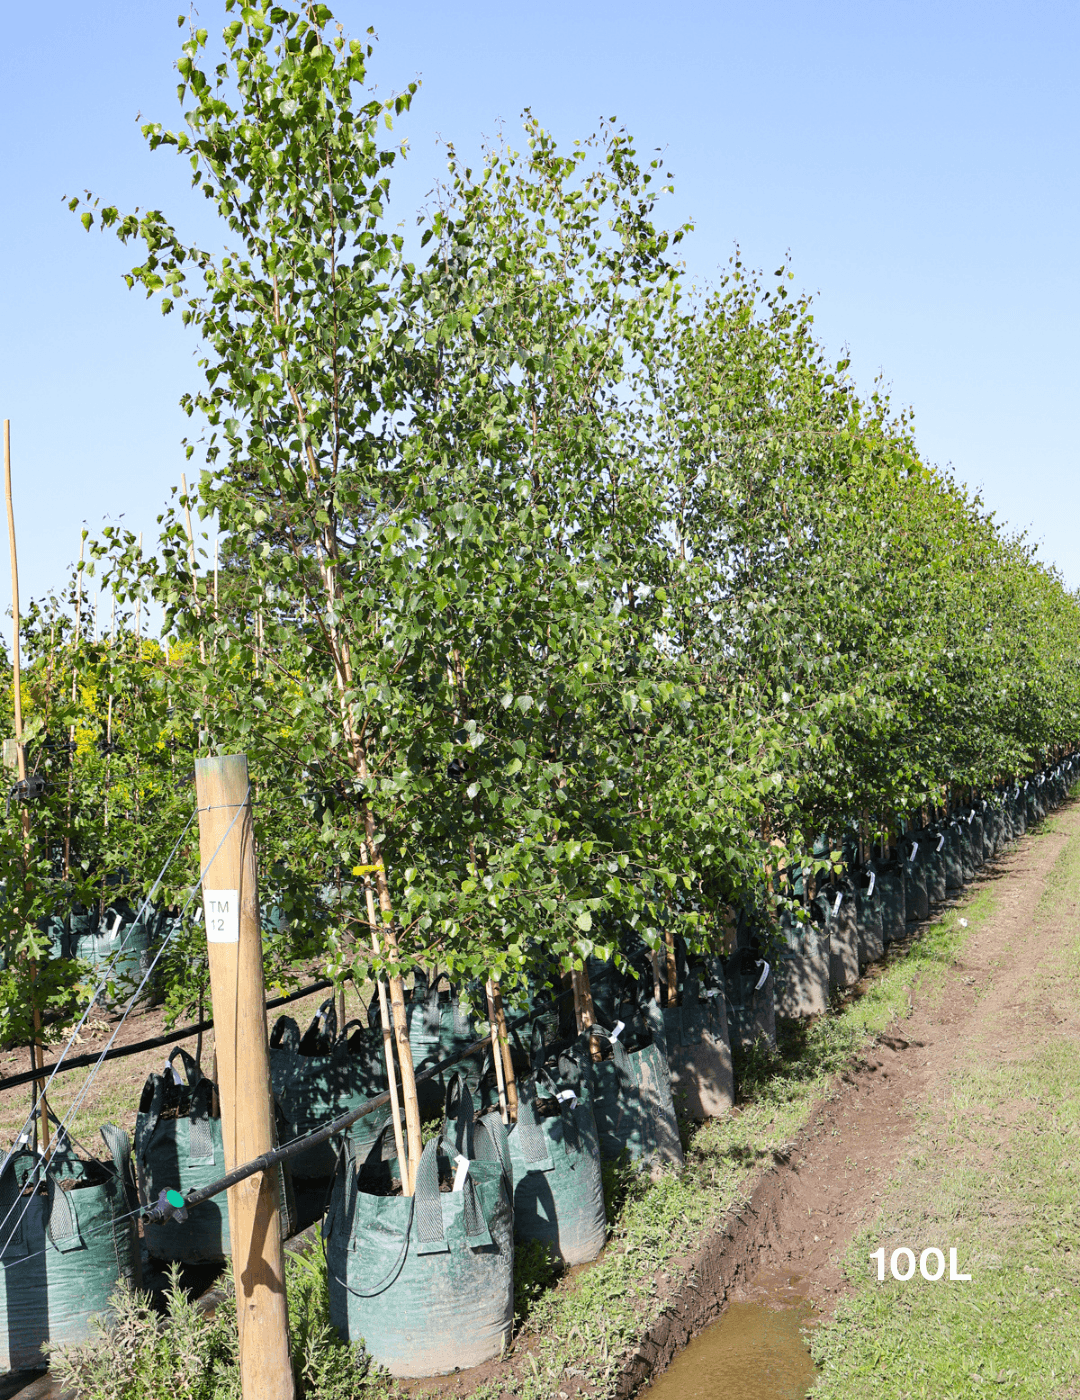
995	1174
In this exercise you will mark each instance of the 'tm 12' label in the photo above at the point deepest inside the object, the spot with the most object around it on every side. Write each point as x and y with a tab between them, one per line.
222	912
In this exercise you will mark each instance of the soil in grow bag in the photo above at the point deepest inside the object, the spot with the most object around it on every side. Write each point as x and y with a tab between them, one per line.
322	1074
427	1281
555	1155
66	1244
178	1147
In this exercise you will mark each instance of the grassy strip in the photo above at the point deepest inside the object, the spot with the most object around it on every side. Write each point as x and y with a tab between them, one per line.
582	1335
995	1175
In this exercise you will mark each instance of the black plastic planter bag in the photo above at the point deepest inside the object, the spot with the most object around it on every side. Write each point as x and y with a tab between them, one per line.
178	1147
320	1076
632	1098
555	1156
427	1281
801	972
63	1256
698	1045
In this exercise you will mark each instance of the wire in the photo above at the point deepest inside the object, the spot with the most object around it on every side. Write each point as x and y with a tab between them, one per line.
101	987
63	1125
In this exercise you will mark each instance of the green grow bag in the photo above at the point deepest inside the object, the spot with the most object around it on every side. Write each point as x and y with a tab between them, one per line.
63	1257
916	892
890	885
936	861
801	974
321	1075
751	985
979	850
632	1091
555	1157
179	1147
439	1024
837	902
426	1282
868	913
954	859
117	948
698	1046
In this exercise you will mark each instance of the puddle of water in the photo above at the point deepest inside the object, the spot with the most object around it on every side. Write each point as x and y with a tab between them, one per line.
753	1353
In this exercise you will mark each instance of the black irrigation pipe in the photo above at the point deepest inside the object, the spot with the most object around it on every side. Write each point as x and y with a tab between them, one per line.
155	1214
180	1033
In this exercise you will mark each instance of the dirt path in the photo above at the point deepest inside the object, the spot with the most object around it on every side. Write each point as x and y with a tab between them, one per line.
837	1179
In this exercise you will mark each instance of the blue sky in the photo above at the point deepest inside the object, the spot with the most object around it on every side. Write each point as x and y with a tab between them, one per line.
917	161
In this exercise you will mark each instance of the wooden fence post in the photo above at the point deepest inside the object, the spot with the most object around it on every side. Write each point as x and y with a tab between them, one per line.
234	943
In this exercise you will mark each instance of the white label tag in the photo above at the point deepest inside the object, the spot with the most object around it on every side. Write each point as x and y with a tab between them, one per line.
620	1026
711	992
170	1068
971	818
837	903
873	881
567	1096
914	849
116	925
461	1173
940	842
764	976
222	915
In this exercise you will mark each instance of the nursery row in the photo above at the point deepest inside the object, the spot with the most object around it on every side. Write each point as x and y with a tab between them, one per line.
426	1280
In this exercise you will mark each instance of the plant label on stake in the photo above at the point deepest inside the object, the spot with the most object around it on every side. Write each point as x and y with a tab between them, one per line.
222	915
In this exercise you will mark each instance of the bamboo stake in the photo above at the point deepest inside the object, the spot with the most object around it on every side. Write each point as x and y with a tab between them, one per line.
507	1058
36	1050
672	970
74	697
138	608
387	1033
191	560
496	1052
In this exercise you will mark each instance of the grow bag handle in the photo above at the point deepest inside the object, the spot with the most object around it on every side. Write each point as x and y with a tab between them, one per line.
430	1231
458	1110
618	1050
285	1035
350	1190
